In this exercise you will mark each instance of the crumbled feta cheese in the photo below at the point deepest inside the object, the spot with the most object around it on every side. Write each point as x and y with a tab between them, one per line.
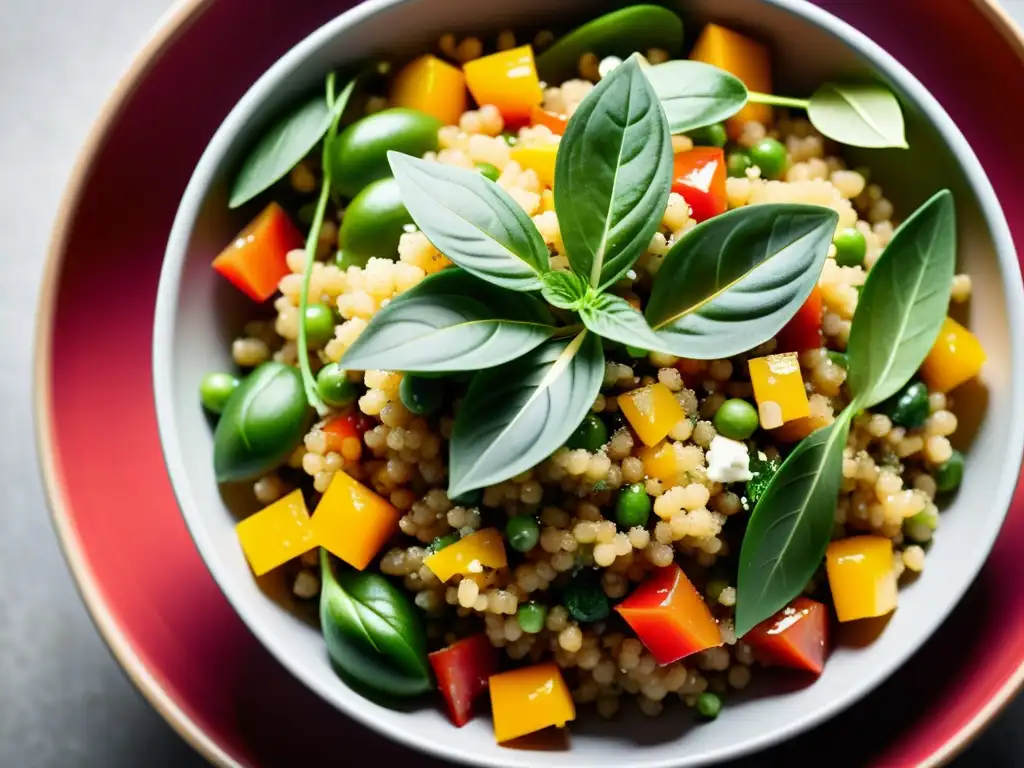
728	461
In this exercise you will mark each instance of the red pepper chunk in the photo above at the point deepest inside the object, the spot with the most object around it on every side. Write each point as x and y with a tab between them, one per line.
344	433
700	178
669	616
553	121
462	670
256	260
795	637
803	332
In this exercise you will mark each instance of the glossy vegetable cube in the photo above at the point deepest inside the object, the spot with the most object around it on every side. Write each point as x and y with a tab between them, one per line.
803	331
432	86
256	260
529	699
462	670
508	80
540	159
483	549
276	534
553	121
956	357
669	616
747	59
352	522
699	176
652	411
861	577
778	389
663	461
795	637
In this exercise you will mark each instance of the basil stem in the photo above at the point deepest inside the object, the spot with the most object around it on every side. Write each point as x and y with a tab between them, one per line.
754	97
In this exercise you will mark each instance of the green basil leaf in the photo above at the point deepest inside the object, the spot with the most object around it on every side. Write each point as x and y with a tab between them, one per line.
516	415
612	317
565	290
858	115
694	94
735	280
791	525
452	321
473	222
372	632
613	173
903	303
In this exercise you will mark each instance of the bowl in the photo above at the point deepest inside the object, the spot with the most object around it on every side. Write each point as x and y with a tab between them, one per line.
197	314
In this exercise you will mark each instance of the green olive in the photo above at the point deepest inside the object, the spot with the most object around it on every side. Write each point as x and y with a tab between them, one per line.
359	155
590	435
909	407
421	396
488	171
334	386
771	157
851	247
215	389
374	222
319	324
736	419
737	164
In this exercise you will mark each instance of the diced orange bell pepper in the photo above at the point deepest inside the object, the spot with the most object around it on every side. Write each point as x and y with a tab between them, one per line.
803	331
529	699
276	534
508	80
779	389
748	60
669	616
861	577
663	461
432	86
462	670
652	411
469	556
553	121
699	176
256	260
352	522
795	637
540	158
956	357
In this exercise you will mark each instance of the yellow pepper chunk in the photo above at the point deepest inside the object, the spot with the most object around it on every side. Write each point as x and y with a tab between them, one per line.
352	522
748	60
956	357
779	389
432	86
529	699
652	411
861	577
276	533
664	462
483	549
540	158
508	80
547	200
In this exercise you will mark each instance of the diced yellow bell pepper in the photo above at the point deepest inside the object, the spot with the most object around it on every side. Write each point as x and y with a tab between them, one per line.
748	60
352	522
432	86
276	534
663	462
483	549
540	158
652	411
529	699
861	577
547	200
508	80
779	389
956	357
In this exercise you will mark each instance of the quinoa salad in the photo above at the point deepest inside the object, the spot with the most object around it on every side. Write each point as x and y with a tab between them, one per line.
595	374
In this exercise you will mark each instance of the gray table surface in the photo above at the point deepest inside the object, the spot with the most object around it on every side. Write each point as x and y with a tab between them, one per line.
63	699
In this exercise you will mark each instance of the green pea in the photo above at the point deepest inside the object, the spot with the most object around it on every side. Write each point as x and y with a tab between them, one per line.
636	352
584	598
949	475
737	163
736	419
469	498
488	171
374	222
709	705
532	616
633	506
770	156
319	324
851	247
590	435
909	407
839	358
420	395
510	138
443	541
215	389
522	532
334	386
710	136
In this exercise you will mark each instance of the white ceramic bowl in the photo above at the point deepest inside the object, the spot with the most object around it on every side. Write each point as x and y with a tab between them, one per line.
198	314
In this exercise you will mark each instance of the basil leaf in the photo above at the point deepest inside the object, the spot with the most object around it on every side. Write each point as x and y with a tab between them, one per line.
858	115
791	525
473	222
451	321
615	318
903	303
372	632
613	172
515	416
564	290
735	280
694	94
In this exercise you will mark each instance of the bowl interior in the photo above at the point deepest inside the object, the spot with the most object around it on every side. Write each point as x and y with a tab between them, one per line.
198	315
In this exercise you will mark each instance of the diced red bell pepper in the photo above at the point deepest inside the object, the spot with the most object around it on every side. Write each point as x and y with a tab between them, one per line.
552	120
700	178
462	671
351	425
256	260
796	636
669	616
803	332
